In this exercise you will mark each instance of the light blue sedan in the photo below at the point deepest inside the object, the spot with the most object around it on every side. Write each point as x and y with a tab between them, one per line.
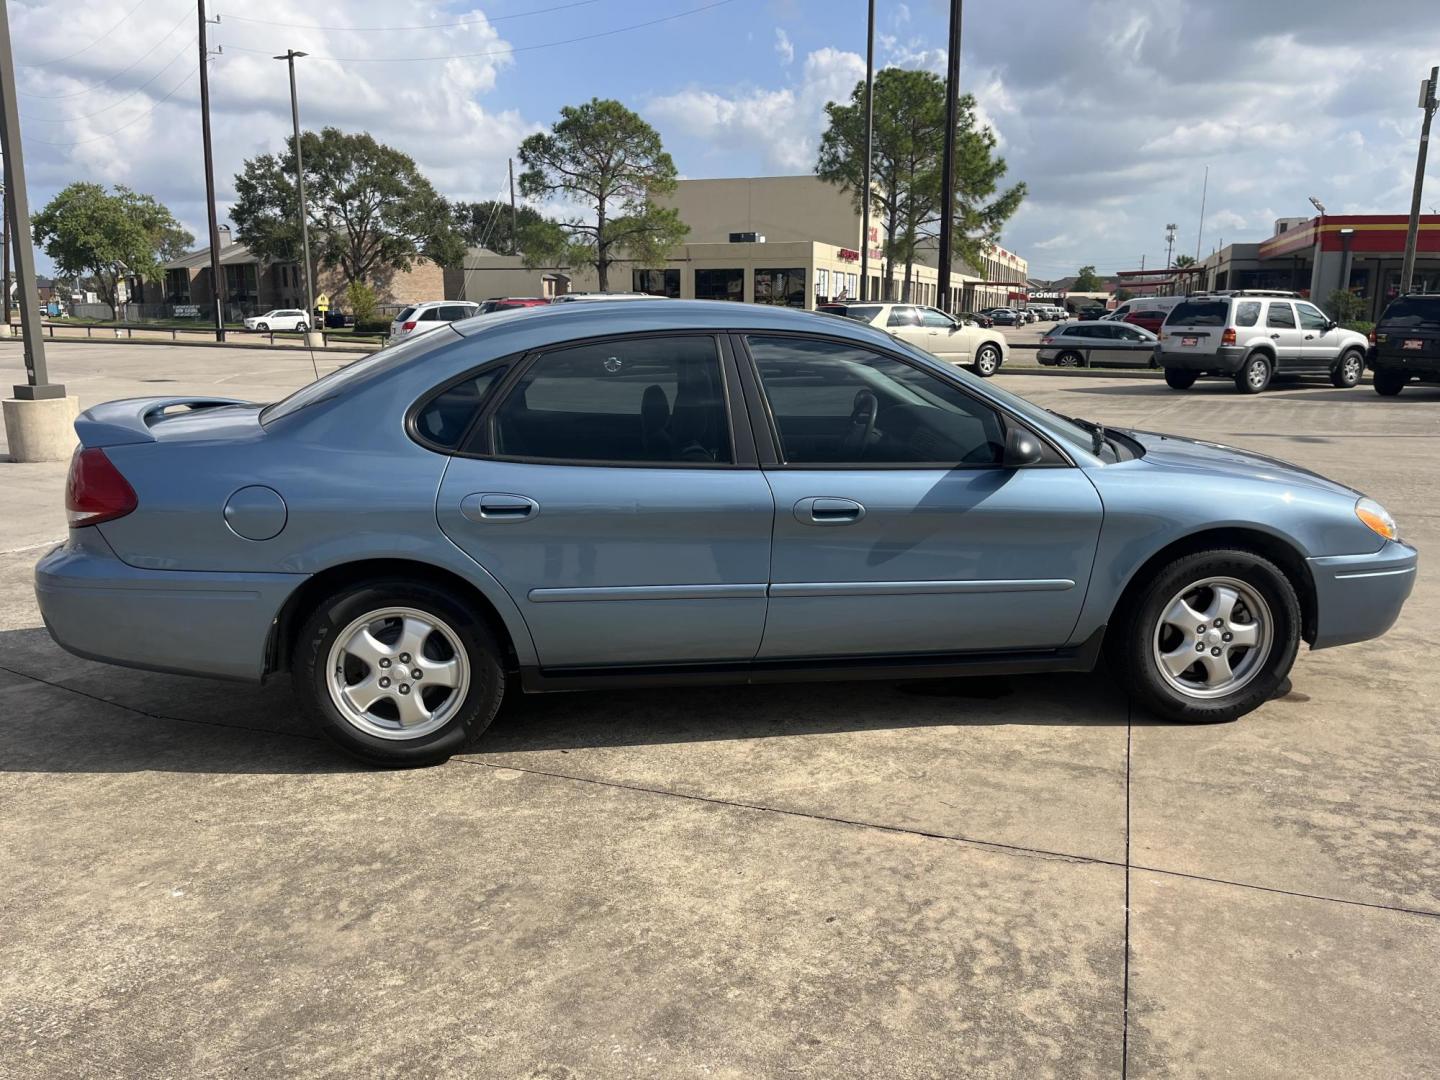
600	495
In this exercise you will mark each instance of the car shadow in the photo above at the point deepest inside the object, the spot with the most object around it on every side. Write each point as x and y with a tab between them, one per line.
61	714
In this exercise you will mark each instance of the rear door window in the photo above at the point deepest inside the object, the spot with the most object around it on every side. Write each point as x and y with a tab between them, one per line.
430	315
1199	313
903	316
1247	313
1281	316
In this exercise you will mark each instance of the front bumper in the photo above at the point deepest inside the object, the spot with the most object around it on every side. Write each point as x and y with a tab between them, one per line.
212	624
1226	359
1359	597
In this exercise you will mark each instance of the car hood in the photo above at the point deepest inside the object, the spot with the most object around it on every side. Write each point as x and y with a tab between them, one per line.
1182	454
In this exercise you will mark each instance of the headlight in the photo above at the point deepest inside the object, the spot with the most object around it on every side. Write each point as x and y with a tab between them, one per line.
1377	518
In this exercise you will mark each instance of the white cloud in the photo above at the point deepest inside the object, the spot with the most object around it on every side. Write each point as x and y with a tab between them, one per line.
784	48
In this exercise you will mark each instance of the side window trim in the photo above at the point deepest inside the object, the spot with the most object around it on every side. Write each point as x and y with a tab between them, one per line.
479	441
763	419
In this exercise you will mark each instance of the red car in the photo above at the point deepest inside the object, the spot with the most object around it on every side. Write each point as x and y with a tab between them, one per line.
510	303
1147	319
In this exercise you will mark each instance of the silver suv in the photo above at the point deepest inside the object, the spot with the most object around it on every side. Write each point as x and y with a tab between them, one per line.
1253	336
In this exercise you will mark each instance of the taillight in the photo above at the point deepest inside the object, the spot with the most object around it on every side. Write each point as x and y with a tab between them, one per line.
409	325
1372	335
1047	341
95	491
1228	337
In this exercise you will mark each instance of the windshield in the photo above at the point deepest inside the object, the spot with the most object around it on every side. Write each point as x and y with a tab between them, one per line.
1199	313
342	379
1412	313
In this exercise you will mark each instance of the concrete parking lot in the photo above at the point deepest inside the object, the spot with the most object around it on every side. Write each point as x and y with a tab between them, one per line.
992	877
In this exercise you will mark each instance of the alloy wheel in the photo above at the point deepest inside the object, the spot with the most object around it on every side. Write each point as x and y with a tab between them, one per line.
987	360
1213	637
397	673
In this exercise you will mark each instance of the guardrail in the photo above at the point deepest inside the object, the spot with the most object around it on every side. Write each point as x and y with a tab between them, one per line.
126	331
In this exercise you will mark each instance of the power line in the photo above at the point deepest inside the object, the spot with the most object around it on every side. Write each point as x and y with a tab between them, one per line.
117	101
507	51
103	37
129	123
125	70
484	20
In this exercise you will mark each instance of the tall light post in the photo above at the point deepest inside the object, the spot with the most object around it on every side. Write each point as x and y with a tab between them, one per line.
869	149
947	170
1428	103
289	57
217	283
1170	245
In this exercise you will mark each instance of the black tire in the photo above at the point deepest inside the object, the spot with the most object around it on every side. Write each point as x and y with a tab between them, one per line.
262	326
987	360
301	328
1255	374
1179	379
1070	359
467	719
1130	644
1348	369
1388	383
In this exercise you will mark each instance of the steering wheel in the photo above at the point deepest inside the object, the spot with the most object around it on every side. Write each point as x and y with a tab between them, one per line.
862	424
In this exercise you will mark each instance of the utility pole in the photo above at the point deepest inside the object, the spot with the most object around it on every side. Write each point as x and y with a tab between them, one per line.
947	172
37	384
289	57
1428	103
1169	246
1204	190
5	242
514	219
217	285
869	150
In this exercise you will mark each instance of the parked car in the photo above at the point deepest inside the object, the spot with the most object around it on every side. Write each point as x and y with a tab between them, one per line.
580	297
1097	343
979	318
279	319
1005	317
1406	343
586	496
952	340
1251	337
430	315
336	320
1147	318
1157	306
510	303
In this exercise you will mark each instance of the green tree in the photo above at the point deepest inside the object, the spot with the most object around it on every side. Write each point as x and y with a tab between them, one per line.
607	158
371	211
907	160
488	224
87	231
362	300
1344	306
1182	261
1086	280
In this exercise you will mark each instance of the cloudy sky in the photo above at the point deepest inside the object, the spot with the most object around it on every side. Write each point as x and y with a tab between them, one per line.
1108	110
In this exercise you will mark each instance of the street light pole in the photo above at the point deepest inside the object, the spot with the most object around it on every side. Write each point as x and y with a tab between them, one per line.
217	287
289	57
947	171
37	379
1428	103
869	150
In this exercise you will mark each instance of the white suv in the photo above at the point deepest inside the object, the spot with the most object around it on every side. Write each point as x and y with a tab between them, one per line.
431	315
279	319
1251	336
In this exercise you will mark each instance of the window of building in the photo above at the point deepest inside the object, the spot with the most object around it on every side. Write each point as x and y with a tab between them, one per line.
852	284
656	282
822	285
1280	315
640	400
783	287
177	286
720	285
841	404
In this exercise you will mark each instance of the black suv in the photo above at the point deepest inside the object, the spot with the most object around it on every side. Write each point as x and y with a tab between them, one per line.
1406	343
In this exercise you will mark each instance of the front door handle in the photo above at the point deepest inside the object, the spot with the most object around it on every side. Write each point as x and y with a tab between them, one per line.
826	510
496	507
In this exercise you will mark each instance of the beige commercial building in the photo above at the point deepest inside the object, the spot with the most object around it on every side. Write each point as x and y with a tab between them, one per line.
792	240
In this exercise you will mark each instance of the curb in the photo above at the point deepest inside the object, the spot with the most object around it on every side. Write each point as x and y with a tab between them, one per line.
1082	373
300	350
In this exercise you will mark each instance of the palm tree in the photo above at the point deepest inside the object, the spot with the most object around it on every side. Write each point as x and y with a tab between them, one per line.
1182	261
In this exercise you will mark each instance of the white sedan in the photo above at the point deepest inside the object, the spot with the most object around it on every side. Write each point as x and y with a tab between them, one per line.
955	340
279	319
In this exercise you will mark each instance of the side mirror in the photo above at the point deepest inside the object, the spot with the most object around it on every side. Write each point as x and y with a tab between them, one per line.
1331	325
1022	448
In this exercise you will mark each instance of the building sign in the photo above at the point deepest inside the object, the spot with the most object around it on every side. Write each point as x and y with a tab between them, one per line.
848	255
1016	296
1047	295
185	311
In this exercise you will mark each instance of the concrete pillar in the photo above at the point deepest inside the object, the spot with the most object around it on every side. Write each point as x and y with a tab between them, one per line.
315	339
40	430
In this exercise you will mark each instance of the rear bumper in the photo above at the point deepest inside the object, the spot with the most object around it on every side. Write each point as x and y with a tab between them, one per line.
1359	597
1427	367
212	624
1226	359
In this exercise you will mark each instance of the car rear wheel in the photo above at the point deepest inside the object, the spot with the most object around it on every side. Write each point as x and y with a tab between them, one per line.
1347	372
262	326
1070	359
1210	637
397	673
1254	376
301	327
1390	383
987	361
1177	379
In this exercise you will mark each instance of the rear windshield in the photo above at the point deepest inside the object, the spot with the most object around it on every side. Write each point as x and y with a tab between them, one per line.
357	373
405	314
1413	313
1199	313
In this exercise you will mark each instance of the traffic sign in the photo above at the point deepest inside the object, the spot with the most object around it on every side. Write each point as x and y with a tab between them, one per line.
322	303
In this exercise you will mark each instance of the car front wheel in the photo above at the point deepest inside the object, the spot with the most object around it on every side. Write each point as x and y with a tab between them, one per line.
262	326
1347	372
301	327
987	361
398	673
1210	637
1178	379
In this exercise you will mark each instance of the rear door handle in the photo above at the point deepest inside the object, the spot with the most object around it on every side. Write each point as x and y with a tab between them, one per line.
1275	336
827	510
496	507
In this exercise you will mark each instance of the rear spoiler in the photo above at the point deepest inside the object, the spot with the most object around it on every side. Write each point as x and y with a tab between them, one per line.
118	423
